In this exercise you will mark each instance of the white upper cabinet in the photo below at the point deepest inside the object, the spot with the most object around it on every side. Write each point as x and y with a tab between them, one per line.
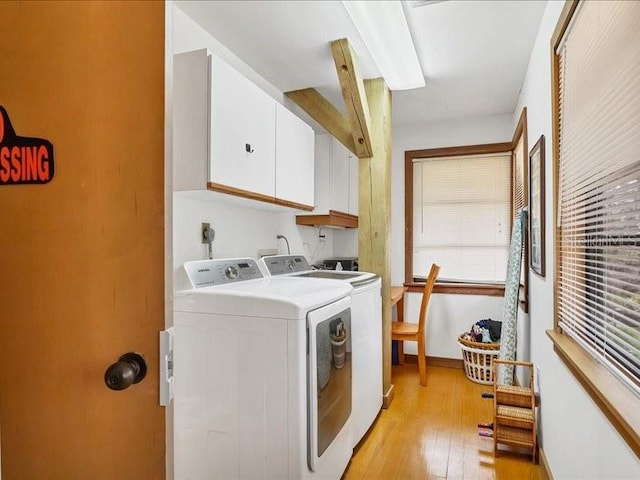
322	176
191	126
242	132
336	176
231	137
339	177
354	175
294	158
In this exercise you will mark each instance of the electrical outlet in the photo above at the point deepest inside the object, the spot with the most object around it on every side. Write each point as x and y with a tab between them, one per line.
203	236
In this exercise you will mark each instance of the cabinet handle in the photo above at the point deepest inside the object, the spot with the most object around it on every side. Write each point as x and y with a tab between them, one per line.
247	147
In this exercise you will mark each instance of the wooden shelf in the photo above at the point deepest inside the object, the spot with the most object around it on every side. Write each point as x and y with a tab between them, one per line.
517	437
514	396
334	219
514	416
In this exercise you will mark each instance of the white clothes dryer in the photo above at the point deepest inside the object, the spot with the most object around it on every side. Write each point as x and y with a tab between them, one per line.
257	393
366	331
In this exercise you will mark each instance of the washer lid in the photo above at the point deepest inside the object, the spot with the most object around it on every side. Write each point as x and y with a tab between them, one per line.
354	278
271	297
297	266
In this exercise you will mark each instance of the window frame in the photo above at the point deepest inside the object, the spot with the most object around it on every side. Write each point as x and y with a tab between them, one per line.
617	402
521	132
414	285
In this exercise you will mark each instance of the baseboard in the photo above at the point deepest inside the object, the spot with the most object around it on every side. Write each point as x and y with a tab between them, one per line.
545	471
387	398
436	361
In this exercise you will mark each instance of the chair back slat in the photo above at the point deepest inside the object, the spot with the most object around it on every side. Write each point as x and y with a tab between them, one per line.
426	295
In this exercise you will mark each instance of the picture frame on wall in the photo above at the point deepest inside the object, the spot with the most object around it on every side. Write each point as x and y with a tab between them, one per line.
536	208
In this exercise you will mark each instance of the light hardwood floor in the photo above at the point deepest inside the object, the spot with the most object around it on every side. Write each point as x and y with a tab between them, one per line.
431	433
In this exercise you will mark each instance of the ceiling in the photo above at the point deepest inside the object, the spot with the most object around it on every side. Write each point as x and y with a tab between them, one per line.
474	54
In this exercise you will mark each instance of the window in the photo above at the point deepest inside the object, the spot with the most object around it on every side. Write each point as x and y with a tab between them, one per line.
458	214
599	172
461	216
597	138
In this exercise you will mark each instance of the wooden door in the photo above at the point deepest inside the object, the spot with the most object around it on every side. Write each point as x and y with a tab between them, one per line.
81	269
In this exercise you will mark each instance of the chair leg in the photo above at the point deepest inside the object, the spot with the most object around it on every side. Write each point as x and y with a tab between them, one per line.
400	352
422	362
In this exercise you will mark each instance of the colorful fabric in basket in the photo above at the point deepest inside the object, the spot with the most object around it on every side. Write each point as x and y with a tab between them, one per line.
484	331
510	308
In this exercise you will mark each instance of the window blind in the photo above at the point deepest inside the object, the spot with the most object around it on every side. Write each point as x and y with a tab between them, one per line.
462	209
599	185
519	169
519	193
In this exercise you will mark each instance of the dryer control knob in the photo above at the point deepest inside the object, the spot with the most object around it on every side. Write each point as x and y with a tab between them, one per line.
231	273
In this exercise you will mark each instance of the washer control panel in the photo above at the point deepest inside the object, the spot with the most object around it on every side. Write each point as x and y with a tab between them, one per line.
207	273
281	264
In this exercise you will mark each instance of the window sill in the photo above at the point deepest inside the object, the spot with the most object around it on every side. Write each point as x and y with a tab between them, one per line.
613	398
488	289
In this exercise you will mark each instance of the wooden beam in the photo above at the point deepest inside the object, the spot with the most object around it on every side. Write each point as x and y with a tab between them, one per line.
354	95
323	112
374	212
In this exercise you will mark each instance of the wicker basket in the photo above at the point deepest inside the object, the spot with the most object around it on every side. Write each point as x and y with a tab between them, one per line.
478	360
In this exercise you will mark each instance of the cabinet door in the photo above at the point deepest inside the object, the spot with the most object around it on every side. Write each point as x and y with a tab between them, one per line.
340	177
354	187
322	175
242	118
294	158
191	120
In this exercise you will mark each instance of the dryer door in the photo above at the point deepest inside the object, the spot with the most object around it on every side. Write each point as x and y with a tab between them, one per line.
329	378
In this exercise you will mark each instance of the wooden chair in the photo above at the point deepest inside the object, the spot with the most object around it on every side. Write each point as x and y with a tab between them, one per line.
414	332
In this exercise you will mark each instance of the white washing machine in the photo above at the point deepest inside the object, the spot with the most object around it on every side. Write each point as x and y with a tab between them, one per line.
258	392
366	331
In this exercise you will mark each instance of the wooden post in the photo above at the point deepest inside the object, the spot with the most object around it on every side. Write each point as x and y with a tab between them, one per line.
369	116
374	213
355	99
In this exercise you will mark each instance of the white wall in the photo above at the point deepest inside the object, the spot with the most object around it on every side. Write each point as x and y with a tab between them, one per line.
448	315
578	440
242	227
345	242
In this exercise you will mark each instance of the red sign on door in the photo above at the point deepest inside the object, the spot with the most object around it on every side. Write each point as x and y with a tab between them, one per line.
23	160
